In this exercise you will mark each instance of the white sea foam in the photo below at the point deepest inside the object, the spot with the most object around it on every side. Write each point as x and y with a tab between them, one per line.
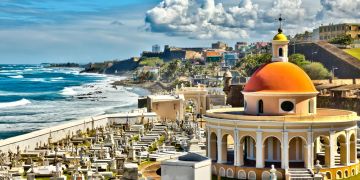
17	77
57	78
37	79
21	102
9	93
68	91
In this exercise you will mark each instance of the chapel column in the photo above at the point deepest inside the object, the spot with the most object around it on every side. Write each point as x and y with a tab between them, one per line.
332	149
310	148
285	151
219	146
236	148
347	148
259	150
208	143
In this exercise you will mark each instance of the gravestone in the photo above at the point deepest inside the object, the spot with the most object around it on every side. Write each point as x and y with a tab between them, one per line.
130	171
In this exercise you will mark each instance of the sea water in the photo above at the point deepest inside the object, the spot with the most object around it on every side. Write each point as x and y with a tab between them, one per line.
33	97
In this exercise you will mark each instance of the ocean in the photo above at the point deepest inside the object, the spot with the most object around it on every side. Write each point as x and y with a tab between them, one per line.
34	97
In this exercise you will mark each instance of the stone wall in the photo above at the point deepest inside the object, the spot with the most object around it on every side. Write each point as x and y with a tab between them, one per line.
330	57
60	132
30	140
352	104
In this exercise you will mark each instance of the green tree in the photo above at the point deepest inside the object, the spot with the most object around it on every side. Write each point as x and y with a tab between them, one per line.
248	65
152	61
316	70
170	70
342	40
298	59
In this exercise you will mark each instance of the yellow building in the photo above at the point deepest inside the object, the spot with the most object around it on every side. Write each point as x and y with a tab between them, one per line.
333	30
186	100
281	126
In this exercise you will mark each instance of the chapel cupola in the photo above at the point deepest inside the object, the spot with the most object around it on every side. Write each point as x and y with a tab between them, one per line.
280	45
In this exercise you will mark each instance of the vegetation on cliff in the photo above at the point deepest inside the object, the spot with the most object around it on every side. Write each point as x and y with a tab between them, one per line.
342	40
315	70
249	64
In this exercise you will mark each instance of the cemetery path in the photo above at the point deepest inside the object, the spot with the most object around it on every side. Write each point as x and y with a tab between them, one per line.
149	170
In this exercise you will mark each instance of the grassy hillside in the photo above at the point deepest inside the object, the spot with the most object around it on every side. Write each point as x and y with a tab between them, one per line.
354	52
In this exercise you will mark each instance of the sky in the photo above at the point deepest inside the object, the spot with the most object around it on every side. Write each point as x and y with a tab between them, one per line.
82	31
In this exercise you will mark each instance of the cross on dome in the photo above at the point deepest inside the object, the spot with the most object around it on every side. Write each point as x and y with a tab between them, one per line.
280	19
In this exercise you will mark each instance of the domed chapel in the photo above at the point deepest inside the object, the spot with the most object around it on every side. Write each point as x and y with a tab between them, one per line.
280	125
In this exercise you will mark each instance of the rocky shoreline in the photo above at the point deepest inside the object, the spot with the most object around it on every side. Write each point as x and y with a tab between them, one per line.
153	86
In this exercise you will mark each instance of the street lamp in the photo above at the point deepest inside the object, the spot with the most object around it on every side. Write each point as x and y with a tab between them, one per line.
333	71
312	55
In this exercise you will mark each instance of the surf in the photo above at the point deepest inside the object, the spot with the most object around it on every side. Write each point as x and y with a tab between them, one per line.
21	102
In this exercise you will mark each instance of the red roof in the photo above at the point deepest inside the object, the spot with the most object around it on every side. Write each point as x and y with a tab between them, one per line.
280	77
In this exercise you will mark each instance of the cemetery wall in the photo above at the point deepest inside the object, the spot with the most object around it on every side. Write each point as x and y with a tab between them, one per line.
30	140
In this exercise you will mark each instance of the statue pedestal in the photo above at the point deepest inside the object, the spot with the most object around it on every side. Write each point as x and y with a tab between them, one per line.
318	177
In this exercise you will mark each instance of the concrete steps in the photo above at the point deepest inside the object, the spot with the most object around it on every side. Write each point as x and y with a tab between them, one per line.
337	158
300	173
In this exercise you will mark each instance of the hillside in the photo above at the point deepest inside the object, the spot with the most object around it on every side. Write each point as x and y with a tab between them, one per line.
112	67
354	52
330	56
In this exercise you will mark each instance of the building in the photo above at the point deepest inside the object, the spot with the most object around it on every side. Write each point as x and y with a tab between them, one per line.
281	126
219	45
331	31
167	107
240	46
212	57
187	167
156	48
193	101
193	55
230	59
260	47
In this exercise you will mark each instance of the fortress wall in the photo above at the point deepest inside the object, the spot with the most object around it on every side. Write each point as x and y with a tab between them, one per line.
30	140
316	53
337	81
351	104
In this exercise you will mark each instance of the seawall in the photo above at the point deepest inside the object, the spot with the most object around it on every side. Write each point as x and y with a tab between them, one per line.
31	140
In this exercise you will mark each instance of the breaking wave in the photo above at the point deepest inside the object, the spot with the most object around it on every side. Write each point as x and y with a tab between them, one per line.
21	102
68	91
17	77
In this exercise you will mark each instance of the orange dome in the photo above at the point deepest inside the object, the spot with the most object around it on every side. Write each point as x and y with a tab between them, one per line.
280	77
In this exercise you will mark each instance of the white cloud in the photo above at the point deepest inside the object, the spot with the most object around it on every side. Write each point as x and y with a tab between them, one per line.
201	19
339	11
207	20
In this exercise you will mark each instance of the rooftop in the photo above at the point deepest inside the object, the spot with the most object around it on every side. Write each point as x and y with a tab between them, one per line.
323	115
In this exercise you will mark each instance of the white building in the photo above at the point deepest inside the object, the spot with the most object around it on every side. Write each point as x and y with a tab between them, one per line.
188	167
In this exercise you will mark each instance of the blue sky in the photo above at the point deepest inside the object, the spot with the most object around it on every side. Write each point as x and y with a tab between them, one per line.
36	31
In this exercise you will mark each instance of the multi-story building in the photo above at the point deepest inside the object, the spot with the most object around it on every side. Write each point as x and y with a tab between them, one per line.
230	59
219	45
333	30
212	56
239	46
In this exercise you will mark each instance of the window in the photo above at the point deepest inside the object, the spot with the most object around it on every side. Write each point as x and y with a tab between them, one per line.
281	52
260	107
287	106
311	106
